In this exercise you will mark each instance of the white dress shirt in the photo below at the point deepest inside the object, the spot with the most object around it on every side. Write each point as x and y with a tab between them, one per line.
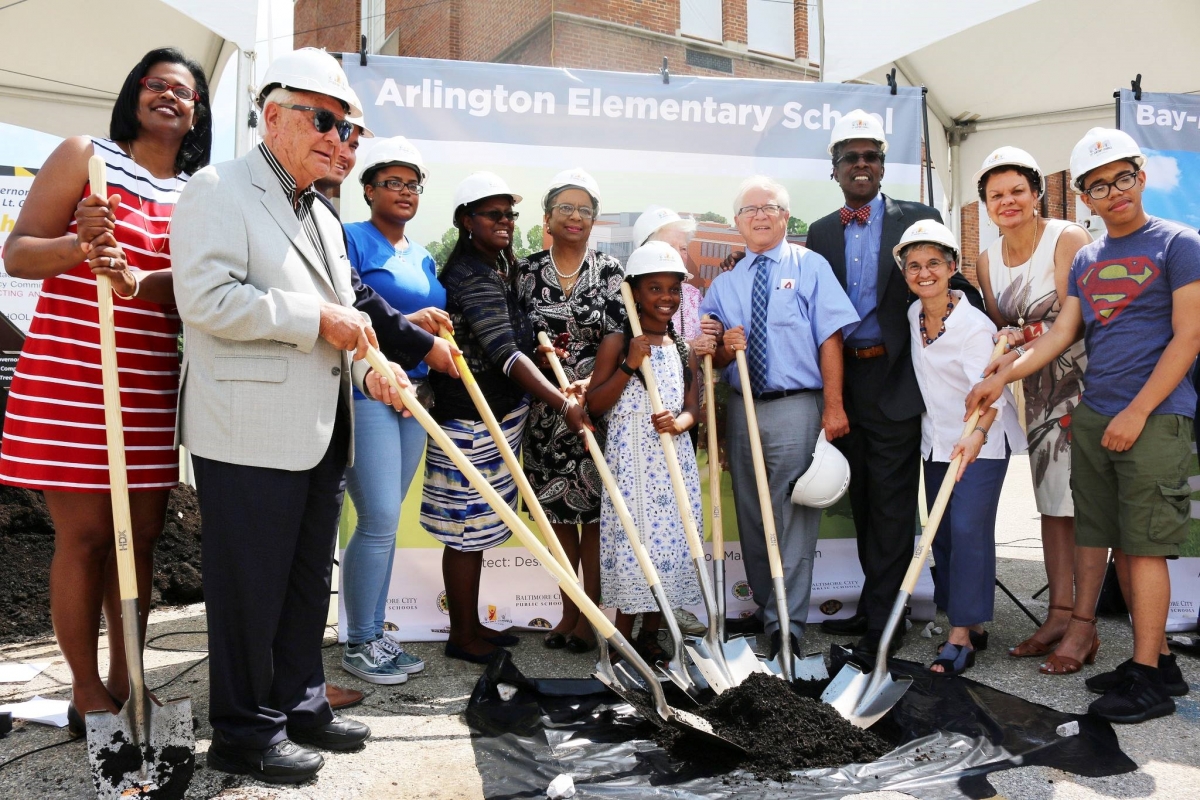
946	371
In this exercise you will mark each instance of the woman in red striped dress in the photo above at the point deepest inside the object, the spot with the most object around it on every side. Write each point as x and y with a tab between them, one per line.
54	438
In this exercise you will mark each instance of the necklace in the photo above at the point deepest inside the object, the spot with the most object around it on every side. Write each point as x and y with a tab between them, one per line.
150	239
1023	300
567	277
946	316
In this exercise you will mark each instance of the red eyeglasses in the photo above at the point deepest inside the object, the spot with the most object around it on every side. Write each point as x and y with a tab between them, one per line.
158	86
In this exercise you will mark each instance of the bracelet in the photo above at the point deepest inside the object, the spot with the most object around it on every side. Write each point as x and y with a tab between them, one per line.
982	430
137	286
566	403
1019	350
628	370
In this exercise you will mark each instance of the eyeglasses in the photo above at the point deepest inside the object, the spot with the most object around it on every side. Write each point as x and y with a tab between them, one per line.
934	265
1123	183
157	85
869	156
770	209
566	209
324	120
495	216
396	185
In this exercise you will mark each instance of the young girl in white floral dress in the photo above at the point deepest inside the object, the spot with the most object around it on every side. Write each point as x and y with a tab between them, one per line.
635	455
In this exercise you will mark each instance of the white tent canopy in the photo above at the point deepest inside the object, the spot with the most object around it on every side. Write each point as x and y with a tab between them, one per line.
1032	73
63	61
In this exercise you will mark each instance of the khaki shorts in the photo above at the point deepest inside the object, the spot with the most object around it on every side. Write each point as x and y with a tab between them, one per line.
1138	500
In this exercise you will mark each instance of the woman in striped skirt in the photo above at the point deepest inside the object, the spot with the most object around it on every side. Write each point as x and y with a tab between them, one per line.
54	435
496	339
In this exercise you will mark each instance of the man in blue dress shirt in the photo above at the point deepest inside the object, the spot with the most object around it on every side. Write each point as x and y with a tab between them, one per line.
782	304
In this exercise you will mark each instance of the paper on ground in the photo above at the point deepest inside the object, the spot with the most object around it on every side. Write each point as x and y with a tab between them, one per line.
20	673
39	709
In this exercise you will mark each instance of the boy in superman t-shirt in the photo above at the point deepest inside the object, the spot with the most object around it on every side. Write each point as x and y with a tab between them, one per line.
1135	295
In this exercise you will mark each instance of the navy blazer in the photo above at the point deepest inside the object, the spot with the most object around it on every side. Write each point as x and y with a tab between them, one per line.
399	339
826	236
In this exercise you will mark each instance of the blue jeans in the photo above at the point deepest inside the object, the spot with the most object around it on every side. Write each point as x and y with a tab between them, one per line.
387	449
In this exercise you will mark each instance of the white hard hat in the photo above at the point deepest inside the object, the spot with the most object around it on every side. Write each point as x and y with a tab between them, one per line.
654	219
825	480
654	257
1011	157
926	230
858	124
574	177
480	185
1101	146
311	70
387	152
364	131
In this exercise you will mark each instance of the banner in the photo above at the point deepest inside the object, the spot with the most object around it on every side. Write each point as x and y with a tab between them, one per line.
686	144
1167	128
17	297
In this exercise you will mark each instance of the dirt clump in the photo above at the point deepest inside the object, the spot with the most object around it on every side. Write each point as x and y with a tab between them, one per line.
27	547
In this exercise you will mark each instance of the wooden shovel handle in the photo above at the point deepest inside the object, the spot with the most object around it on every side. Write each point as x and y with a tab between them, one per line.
714	461
760	468
115	432
943	496
567	580
691	533
510	458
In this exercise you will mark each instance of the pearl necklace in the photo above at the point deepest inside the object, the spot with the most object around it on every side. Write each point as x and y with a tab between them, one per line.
564	276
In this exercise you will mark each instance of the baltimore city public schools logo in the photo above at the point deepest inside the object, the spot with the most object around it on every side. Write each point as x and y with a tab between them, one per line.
442	604
538	622
741	590
1099	146
831	607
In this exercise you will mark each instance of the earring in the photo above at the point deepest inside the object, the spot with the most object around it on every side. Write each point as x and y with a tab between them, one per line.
468	233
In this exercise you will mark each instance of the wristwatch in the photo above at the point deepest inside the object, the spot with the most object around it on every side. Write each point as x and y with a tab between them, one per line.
628	370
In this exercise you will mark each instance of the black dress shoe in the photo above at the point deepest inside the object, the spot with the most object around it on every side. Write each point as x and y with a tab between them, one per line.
577	644
868	645
851	626
555	640
454	651
502	640
340	733
284	762
744	625
76	726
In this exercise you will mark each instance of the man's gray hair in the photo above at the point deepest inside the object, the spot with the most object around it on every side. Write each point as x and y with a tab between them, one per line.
778	191
279	96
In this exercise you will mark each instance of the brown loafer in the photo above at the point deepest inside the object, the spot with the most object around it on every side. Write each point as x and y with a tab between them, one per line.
340	697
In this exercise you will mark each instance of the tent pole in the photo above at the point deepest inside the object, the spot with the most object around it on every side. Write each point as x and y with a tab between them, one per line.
928	155
242	110
955	190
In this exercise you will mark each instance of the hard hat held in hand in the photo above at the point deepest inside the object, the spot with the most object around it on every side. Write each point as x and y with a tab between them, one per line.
654	219
311	70
480	185
858	124
825	480
925	231
654	257
1101	146
390	152
1011	157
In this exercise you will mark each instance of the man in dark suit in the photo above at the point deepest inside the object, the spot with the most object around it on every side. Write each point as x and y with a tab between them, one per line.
882	398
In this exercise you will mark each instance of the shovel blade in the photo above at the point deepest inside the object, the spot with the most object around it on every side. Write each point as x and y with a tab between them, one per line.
710	670
846	690
810	668
861	698
879	700
741	659
155	763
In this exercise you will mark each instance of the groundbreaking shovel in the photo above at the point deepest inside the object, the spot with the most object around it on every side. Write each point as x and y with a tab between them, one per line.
714	495
144	750
664	714
723	672
604	663
675	670
862	699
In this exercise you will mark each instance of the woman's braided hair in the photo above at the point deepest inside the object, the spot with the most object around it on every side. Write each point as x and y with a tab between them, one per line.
681	346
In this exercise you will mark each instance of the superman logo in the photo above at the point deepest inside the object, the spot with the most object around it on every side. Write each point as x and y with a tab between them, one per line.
1110	286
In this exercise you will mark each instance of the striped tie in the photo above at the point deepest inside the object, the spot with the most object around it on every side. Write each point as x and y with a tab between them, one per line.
756	343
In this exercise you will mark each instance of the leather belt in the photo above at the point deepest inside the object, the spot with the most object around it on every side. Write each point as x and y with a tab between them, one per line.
863	353
766	397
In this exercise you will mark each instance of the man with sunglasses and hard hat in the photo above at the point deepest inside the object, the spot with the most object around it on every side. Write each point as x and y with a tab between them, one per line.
882	399
263	287
1133	294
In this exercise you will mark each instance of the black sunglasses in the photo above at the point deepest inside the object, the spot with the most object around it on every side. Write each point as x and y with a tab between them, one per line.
495	216
870	156
324	120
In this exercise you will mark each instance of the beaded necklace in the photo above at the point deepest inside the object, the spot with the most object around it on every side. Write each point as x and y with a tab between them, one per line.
946	316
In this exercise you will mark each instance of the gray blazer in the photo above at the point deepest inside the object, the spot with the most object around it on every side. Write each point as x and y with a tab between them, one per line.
258	387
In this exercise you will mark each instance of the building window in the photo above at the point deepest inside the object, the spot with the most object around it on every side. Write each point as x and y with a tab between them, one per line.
696	58
771	27
814	32
700	19
373	12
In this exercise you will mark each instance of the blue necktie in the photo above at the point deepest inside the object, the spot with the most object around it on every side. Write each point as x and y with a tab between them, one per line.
756	343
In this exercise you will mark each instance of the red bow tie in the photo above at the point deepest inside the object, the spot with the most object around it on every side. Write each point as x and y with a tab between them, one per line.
862	216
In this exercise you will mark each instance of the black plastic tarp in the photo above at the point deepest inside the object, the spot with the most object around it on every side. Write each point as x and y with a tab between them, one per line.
950	733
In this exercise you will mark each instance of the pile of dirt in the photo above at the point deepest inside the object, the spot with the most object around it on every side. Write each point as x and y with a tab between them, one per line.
780	728
27	546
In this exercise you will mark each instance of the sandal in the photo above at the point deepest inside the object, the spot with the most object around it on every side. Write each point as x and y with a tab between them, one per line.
1032	647
1065	665
979	641
961	658
555	640
576	644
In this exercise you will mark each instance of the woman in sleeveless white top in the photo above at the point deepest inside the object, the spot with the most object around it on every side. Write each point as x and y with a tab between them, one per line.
1023	275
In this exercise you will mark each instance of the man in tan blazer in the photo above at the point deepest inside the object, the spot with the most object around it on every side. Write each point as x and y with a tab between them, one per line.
263	286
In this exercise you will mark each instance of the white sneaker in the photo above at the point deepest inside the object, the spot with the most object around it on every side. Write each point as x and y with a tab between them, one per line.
688	624
372	662
404	660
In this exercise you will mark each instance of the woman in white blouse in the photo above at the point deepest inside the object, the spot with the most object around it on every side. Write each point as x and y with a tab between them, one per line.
951	345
